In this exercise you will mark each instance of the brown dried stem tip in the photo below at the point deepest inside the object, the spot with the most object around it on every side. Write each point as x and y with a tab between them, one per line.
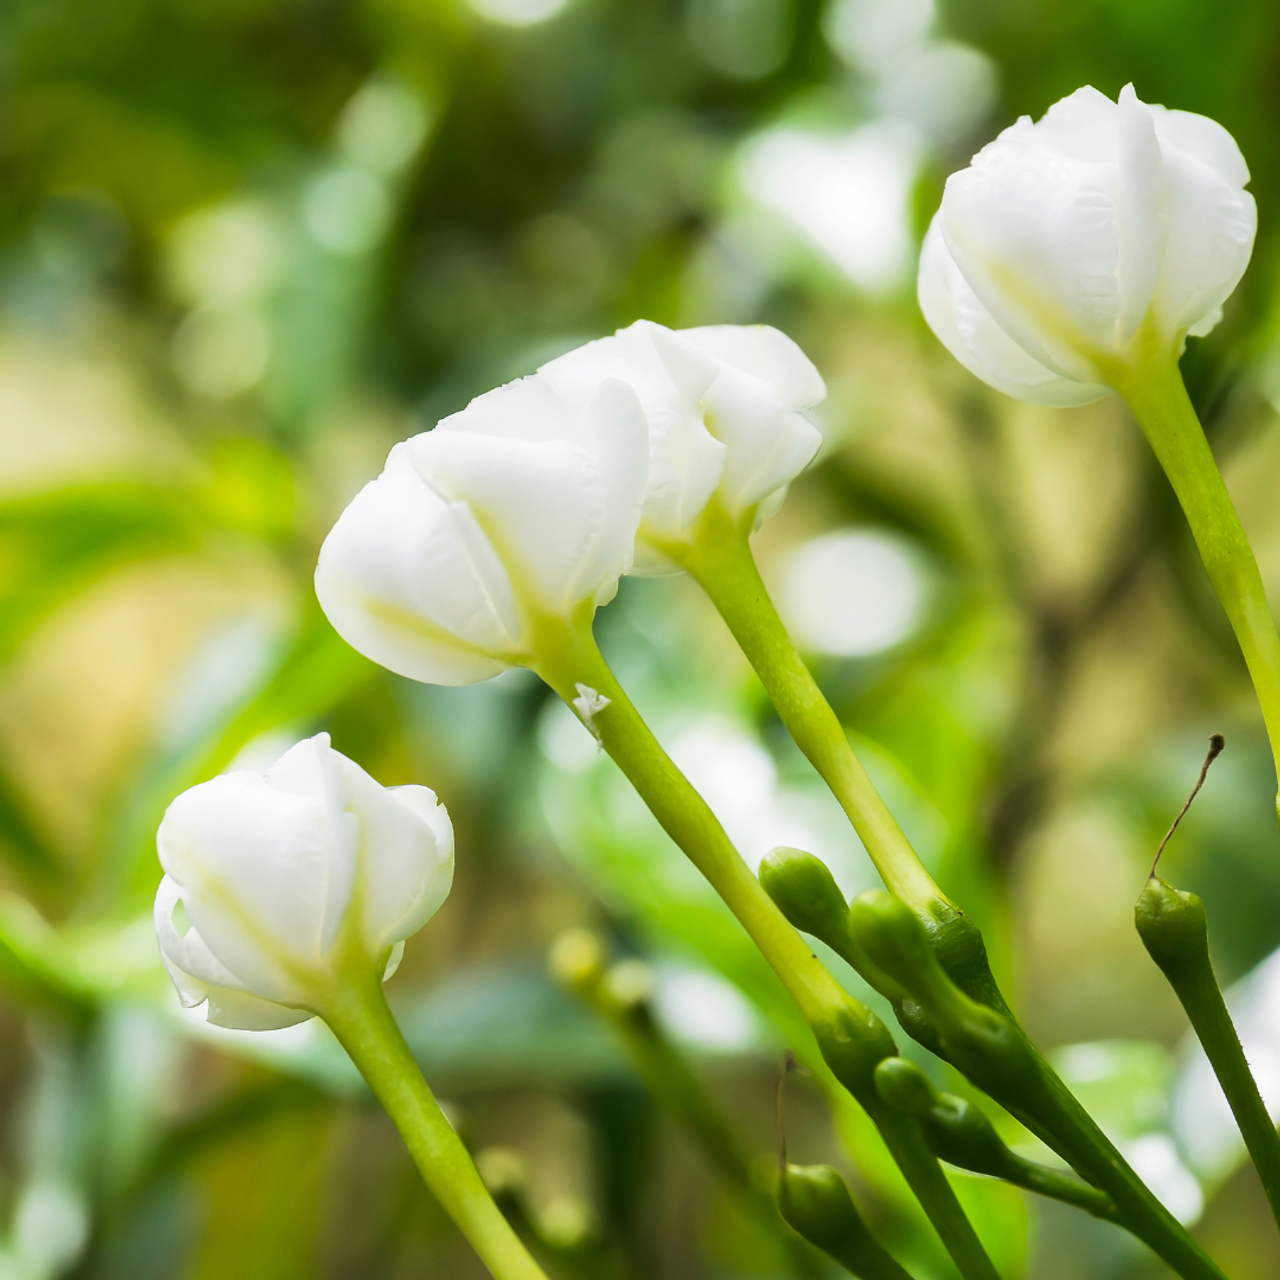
1216	743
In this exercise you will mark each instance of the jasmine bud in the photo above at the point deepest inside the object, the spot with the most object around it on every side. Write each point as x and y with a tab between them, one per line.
815	1202
958	1132
894	938
1065	238
806	893
1174	929
954	1128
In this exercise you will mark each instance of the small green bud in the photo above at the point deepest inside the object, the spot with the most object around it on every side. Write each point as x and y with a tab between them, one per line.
954	1128
806	893
895	939
815	1202
1173	928
959	1133
905	1087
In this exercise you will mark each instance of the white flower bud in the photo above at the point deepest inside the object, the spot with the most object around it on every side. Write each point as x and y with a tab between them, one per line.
276	884
724	407
521	505
1066	237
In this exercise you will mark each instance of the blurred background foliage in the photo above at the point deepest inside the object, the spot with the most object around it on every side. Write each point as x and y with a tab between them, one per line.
247	244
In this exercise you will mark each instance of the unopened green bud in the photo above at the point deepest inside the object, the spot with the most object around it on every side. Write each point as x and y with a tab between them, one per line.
895	939
815	1202
1173	928
987	1046
905	1087
959	1133
806	893
954	1128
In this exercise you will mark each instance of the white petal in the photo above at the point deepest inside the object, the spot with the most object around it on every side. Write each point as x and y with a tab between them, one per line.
769	444
191	990
632	356
253	866
527	409
311	768
685	462
969	332
616	431
690	371
1080	126
409	579
1141	226
406	857
1211	231
393	961
1035	233
763	352
541	504
243	1011
229	1006
1204	139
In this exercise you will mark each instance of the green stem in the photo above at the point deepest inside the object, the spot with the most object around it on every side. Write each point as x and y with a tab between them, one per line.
1155	392
360	1018
721	560
1090	1152
1202	999
568	657
926	1179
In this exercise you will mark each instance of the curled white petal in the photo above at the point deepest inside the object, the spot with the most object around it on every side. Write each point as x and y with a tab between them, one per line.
723	406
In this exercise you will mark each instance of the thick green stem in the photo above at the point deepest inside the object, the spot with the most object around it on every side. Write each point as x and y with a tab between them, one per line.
568	658
1159	400
721	560
364	1025
569	661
